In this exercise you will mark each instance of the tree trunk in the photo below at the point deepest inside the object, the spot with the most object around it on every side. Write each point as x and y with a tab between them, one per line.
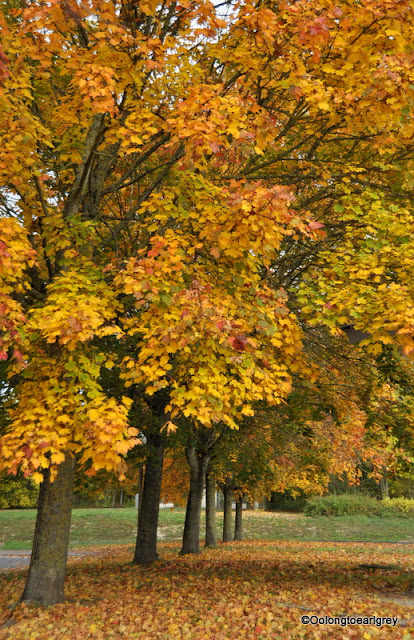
384	484
227	511
140	489
238	522
211	540
45	582
149	503
198	464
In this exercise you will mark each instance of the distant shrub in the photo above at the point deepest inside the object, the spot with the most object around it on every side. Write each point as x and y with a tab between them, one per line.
398	506
17	491
341	505
354	504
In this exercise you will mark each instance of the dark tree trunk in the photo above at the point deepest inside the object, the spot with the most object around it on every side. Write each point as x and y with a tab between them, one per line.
211	540
149	503
198	464
45	582
140	489
238	521
227	511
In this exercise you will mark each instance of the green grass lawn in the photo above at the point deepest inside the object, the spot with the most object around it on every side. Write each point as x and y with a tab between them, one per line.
109	526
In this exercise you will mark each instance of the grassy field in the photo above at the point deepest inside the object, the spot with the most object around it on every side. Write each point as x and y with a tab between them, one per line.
92	527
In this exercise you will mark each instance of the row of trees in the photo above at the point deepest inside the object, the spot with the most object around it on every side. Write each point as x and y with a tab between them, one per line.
352	420
196	198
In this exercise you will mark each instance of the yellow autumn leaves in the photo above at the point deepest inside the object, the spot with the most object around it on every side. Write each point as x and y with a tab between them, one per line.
61	413
185	165
79	306
368	280
61	407
205	325
16	255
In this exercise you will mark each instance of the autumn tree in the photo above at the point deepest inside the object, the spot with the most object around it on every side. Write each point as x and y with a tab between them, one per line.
320	128
391	410
72	165
170	176
328	426
84	171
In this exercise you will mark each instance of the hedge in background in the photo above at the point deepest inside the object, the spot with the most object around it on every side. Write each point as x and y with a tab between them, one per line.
353	504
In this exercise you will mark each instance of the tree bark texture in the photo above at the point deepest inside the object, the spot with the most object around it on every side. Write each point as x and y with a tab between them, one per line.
227	511
45	582
384	487
211	540
140	489
198	462
149	502
238	520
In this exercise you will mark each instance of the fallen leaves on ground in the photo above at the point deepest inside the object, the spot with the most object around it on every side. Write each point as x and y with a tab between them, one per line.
250	590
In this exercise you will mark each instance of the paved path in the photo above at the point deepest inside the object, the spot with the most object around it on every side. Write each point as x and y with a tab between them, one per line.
20	558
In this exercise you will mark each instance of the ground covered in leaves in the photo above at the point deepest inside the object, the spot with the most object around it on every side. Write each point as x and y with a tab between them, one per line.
249	590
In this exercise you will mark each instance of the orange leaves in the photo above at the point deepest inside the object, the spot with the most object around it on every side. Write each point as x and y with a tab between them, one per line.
148	7
206	118
195	334
97	86
4	72
16	256
315	33
333	56
242	591
255	219
190	187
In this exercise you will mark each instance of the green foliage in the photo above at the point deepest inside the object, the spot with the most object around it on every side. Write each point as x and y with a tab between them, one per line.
341	505
353	504
17	491
402	487
285	502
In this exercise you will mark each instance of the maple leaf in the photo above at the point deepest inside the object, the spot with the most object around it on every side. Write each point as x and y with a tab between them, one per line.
238	342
